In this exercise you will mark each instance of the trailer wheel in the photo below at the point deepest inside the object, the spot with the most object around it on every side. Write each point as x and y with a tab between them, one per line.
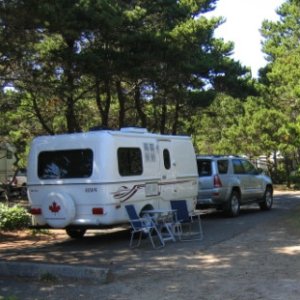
75	233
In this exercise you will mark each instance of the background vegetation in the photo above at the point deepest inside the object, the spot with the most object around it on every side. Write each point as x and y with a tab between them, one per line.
13	218
69	65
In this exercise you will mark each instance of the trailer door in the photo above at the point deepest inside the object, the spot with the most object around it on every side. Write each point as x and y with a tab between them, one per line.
167	170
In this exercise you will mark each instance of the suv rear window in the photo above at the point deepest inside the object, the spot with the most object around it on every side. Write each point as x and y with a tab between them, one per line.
204	167
223	166
75	163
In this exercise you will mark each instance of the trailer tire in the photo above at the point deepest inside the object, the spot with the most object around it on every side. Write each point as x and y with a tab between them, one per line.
75	233
58	210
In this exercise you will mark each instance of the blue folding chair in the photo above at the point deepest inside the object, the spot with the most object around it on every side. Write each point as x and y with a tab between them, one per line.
143	227
187	219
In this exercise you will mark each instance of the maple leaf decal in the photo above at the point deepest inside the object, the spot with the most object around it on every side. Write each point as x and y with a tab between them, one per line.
55	208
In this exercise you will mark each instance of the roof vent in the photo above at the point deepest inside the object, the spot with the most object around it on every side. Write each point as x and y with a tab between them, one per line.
96	128
134	130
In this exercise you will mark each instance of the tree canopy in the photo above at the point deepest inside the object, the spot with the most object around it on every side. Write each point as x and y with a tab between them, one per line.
67	66
140	58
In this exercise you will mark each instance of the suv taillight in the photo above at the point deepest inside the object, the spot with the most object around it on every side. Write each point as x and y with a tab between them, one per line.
217	181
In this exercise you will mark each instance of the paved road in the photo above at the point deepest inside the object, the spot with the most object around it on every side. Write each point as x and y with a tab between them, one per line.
113	246
218	228
112	250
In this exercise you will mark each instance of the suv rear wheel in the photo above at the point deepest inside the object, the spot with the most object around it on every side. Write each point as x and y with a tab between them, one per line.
267	202
232	208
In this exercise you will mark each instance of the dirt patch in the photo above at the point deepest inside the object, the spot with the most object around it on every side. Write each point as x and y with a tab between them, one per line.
24	238
262	263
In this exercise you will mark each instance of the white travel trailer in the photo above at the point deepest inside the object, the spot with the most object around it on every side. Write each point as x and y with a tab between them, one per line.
83	180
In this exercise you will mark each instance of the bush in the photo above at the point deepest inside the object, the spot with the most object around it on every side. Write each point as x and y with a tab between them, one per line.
13	218
295	177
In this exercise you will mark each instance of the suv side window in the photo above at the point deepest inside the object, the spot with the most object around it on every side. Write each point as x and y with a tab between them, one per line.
204	167
249	168
238	166
223	166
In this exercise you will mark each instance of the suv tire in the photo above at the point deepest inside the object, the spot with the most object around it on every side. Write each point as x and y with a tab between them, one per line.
267	202
232	208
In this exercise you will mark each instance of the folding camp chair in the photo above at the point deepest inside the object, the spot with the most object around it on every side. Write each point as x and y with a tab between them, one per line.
186	219
144	226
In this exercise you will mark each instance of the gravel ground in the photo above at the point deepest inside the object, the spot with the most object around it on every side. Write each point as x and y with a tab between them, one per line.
262	263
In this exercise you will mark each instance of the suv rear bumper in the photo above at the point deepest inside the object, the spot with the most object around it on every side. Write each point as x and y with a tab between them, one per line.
214	199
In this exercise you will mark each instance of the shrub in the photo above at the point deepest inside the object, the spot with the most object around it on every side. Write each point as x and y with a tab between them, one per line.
13	218
295	177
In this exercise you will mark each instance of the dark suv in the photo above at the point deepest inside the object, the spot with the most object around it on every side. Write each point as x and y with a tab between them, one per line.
227	182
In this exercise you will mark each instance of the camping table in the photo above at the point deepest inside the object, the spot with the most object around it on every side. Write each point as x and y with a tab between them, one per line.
165	220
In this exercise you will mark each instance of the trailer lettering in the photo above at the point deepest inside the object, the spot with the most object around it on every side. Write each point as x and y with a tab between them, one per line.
91	190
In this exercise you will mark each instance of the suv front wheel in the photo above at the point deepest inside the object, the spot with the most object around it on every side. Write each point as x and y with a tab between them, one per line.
267	202
232	208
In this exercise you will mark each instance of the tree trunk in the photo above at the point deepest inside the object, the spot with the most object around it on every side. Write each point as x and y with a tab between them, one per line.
138	106
163	118
176	116
39	115
72	123
104	111
121	99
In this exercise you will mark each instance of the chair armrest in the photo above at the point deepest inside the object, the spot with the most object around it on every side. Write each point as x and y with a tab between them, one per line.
195	213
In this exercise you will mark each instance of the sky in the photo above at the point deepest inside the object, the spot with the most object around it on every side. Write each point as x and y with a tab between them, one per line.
243	21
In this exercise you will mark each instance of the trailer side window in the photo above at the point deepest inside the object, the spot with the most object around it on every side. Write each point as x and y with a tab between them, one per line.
167	160
130	161
149	150
63	164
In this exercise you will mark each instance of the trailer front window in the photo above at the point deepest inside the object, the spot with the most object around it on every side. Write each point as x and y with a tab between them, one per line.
62	164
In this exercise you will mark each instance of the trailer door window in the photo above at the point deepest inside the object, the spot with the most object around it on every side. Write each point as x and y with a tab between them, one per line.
167	160
130	161
62	164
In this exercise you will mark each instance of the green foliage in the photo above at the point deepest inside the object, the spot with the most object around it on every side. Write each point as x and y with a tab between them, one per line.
295	178
8	298
281	78
279	176
218	125
78	53
115	63
13	218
